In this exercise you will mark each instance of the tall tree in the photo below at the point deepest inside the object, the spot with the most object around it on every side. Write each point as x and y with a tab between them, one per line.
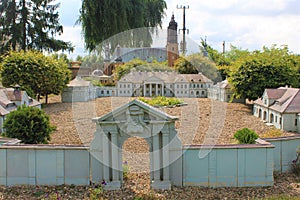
30	24
103	19
39	75
271	68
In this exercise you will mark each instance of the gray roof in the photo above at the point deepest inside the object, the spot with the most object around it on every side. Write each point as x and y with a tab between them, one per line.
79	82
167	77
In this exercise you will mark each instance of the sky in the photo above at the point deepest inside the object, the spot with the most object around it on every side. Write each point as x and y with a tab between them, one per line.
241	23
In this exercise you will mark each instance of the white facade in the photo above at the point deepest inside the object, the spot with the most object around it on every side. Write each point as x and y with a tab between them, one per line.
78	90
106	91
222	91
168	84
280	107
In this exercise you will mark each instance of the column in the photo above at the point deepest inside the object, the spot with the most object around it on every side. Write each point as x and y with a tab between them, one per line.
150	90
114	157
156	89
166	156
162	90
156	158
106	156
144	91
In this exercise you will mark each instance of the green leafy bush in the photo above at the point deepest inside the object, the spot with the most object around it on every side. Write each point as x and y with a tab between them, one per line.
31	125
161	101
246	136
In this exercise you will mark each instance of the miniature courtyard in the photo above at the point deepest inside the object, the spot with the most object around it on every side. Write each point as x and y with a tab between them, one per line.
137	182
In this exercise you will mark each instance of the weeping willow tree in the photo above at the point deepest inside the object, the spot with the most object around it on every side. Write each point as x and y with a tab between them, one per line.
105	18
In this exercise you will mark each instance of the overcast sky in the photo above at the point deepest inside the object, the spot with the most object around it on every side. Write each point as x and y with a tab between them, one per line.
242	23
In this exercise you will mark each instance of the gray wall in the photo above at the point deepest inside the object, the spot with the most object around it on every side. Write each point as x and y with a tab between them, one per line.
284	152
230	166
44	165
226	165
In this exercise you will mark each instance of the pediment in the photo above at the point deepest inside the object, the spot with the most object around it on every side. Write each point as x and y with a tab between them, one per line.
137	111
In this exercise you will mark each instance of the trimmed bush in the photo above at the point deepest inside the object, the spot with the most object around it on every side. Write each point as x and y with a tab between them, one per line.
31	125
161	101
246	136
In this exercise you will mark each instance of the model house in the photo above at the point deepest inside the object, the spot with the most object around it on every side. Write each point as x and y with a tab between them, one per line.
280	107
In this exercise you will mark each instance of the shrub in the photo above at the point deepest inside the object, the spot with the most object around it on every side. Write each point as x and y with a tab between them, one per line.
162	101
31	125
246	136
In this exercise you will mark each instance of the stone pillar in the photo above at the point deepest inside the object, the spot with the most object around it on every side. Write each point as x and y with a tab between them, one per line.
113	163
156	158
162	90
115	157
106	156
144	91
150	90
156	89
166	157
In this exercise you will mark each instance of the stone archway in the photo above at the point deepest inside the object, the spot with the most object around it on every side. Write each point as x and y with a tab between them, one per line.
137	119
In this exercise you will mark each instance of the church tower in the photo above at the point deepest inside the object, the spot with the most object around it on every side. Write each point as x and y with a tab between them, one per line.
172	42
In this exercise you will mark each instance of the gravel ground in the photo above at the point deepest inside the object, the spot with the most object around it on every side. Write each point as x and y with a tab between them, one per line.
286	185
202	121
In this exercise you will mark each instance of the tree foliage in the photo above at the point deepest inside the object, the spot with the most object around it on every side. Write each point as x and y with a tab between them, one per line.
39	75
30	24
271	68
246	136
139	65
29	124
196	63
103	19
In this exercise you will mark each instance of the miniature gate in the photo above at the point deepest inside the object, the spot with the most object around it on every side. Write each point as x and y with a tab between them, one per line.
137	119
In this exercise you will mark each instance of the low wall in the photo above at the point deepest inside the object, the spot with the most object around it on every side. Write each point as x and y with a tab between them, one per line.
228	166
284	152
224	165
44	165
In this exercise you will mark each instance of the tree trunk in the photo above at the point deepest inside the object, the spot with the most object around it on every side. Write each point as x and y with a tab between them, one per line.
24	21
46	98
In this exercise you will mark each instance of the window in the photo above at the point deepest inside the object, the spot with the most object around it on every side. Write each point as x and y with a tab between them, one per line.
185	86
107	92
296	122
102	92
181	86
280	120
